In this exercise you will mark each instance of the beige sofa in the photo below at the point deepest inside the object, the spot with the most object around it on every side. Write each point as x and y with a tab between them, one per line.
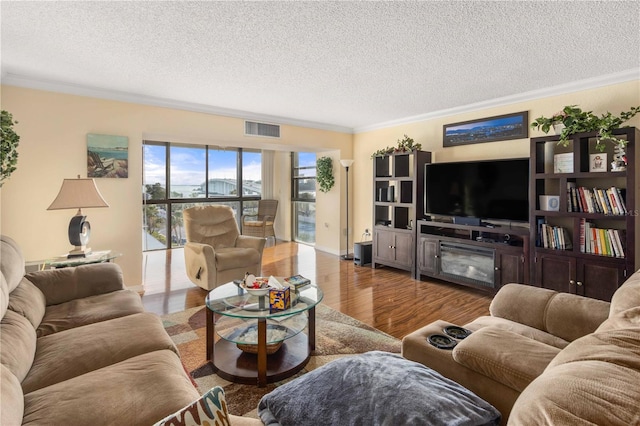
76	348
544	357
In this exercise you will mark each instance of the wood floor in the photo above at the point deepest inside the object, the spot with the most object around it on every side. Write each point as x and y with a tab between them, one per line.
385	298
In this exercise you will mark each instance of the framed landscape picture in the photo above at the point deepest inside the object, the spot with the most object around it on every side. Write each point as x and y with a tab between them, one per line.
499	128
107	156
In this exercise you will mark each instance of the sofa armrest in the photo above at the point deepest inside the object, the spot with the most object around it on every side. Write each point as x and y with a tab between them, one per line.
508	358
246	241
65	284
565	315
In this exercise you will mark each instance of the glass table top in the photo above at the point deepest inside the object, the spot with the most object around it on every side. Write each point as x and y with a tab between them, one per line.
233	301
63	261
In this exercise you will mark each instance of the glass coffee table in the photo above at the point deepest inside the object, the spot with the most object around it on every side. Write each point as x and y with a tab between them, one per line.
256	345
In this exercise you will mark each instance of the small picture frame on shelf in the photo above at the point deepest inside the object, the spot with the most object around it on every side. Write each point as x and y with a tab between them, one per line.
563	163
598	162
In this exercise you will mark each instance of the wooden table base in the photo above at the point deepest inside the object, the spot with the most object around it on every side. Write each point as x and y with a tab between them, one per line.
237	366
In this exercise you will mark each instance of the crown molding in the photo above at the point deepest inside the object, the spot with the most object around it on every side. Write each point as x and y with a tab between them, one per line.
11	79
575	86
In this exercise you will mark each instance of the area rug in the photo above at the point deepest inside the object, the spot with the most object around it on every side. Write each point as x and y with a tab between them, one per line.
337	335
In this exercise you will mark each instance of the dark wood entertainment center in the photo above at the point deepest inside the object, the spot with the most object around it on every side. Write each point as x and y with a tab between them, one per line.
490	255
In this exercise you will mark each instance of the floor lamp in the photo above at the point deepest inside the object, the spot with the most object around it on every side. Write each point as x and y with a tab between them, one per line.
346	164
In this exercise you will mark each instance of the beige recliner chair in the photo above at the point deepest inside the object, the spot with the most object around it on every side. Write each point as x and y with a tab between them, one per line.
215	252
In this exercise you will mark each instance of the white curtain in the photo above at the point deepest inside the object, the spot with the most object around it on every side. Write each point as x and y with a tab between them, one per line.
268	161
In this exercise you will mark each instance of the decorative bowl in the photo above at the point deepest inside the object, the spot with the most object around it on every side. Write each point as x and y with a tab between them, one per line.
263	290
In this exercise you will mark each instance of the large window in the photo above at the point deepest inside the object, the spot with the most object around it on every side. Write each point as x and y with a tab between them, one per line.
303	196
195	175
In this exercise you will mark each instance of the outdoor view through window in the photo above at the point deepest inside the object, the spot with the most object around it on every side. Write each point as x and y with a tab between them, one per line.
195	175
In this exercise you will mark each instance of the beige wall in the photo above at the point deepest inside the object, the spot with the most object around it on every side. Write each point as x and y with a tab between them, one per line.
53	129
614	98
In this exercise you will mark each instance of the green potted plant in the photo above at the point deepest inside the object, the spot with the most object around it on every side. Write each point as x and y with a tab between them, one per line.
575	120
405	144
324	173
8	146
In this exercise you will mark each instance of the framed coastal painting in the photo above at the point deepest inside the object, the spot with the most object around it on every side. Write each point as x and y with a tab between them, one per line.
107	156
498	128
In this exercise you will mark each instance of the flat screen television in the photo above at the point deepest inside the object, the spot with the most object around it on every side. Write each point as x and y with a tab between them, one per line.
492	189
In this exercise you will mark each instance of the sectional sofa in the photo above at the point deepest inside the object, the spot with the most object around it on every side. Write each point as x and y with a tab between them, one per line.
546	358
77	348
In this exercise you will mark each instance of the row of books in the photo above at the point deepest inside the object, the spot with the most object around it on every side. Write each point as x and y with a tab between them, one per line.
609	201
554	237
604	242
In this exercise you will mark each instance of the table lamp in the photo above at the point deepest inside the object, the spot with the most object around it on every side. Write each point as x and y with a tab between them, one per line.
76	194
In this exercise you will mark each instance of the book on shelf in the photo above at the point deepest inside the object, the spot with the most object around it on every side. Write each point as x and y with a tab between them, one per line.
555	237
601	241
297	281
608	201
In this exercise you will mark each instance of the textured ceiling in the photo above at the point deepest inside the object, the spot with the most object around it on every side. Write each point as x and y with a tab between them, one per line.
350	65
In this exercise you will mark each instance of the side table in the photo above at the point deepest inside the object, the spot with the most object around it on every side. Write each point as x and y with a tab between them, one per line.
64	262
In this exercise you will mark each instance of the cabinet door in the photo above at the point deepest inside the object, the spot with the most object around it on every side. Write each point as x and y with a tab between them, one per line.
427	252
556	272
403	247
511	267
599	280
383	245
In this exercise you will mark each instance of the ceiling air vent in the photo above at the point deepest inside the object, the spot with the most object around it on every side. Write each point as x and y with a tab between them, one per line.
261	129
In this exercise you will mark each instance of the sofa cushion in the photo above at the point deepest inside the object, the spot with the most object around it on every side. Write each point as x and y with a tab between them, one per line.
89	310
521	329
66	284
11	398
619	346
375	388
28	301
625	319
506	357
570	317
627	296
70	353
137	391
210	409
594	380
507	304
580	393
11	262
17	344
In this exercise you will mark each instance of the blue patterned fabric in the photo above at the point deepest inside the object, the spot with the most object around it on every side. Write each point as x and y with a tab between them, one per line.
375	388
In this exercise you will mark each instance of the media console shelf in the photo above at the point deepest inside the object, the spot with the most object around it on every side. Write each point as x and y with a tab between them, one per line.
477	256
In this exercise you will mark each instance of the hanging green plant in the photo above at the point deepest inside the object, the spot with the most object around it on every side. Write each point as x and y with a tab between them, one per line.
8	146
324	173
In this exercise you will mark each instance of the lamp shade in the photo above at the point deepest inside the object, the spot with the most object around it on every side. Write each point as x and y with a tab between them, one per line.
346	163
78	193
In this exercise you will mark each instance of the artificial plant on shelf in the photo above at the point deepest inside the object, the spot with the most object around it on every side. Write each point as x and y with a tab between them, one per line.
8	146
575	120
405	144
324	174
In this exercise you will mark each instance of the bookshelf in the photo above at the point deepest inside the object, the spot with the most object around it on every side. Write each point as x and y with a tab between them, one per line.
398	182
584	242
